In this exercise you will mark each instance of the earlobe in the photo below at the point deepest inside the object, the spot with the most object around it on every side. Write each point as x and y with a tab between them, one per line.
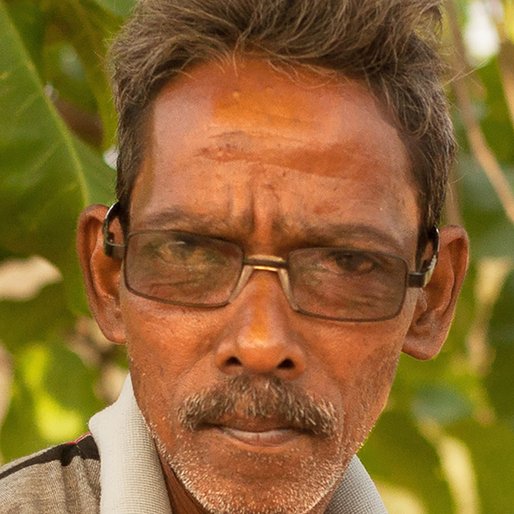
101	273
436	302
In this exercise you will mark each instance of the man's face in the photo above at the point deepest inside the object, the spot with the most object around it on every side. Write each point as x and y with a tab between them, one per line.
245	153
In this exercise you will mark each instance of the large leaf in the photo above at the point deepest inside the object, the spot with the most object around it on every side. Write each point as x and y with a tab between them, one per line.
30	22
66	74
43	180
88	26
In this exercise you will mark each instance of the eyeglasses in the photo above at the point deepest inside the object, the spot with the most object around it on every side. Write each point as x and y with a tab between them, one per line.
334	283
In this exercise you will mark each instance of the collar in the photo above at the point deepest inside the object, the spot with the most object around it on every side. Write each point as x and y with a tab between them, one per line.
131	478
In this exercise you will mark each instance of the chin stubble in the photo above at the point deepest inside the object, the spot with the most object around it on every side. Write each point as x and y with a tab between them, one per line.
259	398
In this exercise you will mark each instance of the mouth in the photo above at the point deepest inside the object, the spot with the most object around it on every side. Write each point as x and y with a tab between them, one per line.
257	433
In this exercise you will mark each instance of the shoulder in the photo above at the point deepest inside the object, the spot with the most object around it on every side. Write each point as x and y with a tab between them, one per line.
64	478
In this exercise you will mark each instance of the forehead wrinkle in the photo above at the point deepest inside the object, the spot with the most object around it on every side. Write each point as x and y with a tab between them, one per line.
295	154
238	145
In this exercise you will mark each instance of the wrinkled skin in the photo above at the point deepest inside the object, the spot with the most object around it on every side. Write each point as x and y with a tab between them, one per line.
246	153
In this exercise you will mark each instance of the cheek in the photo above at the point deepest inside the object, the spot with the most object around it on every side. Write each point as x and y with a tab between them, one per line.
373	383
363	365
160	334
166	348
359	352
368	396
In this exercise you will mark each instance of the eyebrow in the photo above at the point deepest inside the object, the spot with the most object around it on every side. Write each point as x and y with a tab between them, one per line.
328	234
178	219
336	234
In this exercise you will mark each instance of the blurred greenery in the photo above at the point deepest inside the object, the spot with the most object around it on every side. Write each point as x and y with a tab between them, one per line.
446	440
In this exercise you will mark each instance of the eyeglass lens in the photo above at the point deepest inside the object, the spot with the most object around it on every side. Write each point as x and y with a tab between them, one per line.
194	270
347	284
183	268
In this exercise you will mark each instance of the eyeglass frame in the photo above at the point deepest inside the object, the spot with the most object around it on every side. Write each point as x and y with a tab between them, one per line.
251	263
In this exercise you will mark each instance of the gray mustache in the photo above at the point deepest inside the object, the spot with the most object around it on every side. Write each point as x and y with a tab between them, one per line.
259	398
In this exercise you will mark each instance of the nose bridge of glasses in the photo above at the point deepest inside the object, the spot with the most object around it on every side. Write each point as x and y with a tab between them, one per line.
271	263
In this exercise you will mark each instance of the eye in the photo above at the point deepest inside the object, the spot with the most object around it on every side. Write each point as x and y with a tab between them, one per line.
189	250
354	262
170	250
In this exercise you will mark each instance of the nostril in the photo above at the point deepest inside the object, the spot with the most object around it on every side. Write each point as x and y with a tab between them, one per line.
286	364
233	361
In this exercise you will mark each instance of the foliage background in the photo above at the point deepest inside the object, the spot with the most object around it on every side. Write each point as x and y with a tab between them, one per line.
446	441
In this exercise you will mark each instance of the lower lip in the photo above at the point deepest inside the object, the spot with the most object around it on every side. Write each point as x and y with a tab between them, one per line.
268	438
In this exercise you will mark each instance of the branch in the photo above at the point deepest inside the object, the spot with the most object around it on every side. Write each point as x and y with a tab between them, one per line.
506	63
478	144
506	53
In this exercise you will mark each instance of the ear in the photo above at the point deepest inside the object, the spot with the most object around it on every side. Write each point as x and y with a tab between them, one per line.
436	302
101	273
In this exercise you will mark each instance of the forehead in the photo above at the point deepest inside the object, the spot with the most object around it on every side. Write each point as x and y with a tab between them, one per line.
233	102
249	134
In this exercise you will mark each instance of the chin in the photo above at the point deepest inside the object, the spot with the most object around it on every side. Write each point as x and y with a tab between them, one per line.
226	478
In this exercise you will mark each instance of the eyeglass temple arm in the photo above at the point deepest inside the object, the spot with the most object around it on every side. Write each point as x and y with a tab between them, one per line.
422	278
111	249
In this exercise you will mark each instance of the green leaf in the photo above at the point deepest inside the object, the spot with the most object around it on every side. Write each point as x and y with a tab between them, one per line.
495	120
441	405
65	73
25	321
43	182
88	26
396	453
100	179
30	23
492	453
501	337
489	229
6	254
52	399
118	7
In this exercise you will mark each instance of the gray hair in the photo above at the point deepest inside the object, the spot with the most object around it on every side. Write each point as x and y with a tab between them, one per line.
392	45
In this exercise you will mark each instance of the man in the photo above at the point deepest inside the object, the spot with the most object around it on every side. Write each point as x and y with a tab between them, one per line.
281	173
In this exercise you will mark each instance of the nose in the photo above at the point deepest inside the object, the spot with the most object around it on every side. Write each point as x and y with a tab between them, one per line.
259	337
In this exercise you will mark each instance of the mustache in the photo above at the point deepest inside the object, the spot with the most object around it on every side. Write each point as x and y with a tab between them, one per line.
259	398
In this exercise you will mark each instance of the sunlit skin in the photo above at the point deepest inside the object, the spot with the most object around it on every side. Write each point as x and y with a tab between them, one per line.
248	154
